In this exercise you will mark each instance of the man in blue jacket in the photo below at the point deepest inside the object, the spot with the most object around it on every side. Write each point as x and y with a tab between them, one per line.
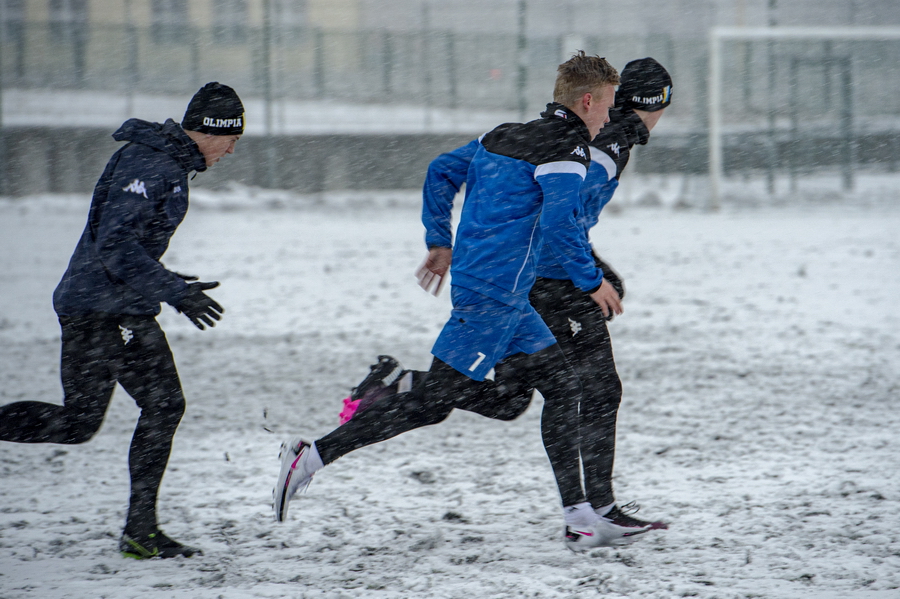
110	294
522	182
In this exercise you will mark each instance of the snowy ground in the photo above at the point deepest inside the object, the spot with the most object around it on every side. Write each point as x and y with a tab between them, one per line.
760	353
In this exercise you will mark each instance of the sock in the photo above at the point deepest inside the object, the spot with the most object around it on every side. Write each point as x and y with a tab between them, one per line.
315	462
406	382
579	515
602	511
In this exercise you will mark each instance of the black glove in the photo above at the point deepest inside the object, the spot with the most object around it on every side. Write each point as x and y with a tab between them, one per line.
199	307
186	277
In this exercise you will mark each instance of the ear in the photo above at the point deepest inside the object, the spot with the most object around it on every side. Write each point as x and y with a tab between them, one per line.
587	100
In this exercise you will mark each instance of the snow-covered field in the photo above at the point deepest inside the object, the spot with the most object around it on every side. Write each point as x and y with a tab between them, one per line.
760	353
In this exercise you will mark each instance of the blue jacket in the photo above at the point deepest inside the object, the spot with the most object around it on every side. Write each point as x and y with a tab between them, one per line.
610	151
139	201
522	184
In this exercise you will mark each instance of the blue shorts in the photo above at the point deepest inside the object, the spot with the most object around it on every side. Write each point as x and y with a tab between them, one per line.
482	331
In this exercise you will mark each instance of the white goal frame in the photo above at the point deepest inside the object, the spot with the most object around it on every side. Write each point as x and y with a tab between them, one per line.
719	34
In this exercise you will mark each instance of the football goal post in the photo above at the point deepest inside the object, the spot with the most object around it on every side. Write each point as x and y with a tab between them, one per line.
797	104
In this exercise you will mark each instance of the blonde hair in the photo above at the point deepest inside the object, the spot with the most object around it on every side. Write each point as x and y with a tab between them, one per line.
582	74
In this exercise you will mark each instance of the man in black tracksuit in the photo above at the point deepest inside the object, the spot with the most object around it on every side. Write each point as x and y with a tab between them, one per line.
110	294
577	323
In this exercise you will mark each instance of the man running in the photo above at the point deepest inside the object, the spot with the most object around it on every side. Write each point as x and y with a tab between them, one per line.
110	294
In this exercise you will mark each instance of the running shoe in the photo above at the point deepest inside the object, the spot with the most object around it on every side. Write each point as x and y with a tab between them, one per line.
381	374
621	518
156	544
584	529
297	469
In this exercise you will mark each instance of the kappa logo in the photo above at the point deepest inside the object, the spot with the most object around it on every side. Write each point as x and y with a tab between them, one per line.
561	113
127	334
615	148
137	186
575	326
579	151
211	122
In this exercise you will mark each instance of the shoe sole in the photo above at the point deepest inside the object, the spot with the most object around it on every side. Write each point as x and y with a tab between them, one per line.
618	538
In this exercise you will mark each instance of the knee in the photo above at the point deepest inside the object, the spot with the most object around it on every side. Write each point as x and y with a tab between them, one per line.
166	413
82	430
426	415
173	408
601	399
510	410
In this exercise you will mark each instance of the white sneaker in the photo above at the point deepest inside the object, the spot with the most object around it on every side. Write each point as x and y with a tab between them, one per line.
299	461
586	530
583	527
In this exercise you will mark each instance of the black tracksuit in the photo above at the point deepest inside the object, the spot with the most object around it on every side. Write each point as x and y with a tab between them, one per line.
107	302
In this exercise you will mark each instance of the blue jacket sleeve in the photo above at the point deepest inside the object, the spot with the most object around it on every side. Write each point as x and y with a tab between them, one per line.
130	206
562	231
445	177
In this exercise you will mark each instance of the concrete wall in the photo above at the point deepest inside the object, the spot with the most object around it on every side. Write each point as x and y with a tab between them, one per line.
40	160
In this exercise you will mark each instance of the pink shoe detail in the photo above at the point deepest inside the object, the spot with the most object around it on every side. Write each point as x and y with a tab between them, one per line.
349	410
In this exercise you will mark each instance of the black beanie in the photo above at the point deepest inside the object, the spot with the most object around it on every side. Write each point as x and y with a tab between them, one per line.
645	85
215	109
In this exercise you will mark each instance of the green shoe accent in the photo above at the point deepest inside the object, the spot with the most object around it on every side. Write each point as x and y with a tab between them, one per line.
140	552
155	545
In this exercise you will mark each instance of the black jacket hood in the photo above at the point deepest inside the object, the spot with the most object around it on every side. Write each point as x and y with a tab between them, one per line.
168	137
632	126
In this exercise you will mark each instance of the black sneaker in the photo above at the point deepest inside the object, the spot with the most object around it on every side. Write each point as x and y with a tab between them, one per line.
156	544
382	374
630	525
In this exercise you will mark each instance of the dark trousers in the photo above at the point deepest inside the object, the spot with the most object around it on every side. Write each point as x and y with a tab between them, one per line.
99	350
581	331
444	389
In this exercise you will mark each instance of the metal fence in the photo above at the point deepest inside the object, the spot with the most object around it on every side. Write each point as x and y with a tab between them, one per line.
788	107
800	103
441	68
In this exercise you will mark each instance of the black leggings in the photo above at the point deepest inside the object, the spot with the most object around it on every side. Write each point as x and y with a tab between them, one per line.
434	396
581	331
99	350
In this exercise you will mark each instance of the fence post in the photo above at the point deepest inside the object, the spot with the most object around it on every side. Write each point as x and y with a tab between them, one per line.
271	172
849	144
714	97
319	61
3	161
521	50
387	63
451	68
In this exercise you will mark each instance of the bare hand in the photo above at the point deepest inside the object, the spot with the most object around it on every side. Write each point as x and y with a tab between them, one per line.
608	299
433	271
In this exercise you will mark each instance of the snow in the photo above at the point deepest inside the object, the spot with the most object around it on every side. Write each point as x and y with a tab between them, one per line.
759	352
